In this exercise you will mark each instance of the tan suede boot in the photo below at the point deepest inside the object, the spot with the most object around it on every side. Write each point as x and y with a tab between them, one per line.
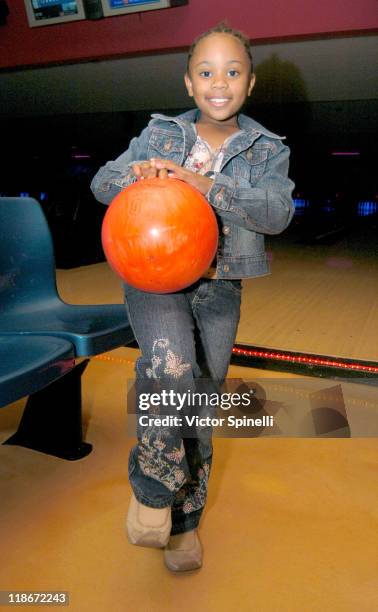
183	552
148	526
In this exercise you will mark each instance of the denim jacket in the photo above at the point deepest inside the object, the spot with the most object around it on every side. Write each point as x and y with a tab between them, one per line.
251	195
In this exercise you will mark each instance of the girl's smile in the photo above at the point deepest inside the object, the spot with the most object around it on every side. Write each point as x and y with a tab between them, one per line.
219	102
219	78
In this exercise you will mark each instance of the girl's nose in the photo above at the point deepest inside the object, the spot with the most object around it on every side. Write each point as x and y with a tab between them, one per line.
219	82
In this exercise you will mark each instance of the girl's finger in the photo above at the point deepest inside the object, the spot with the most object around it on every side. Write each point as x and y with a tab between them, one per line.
151	173
166	163
163	173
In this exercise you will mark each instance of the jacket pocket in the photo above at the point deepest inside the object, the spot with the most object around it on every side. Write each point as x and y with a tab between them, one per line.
164	144
250	164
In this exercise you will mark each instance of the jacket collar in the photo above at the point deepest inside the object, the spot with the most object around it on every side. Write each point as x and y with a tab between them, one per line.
245	123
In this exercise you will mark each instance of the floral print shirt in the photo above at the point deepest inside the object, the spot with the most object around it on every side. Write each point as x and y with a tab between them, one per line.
202	158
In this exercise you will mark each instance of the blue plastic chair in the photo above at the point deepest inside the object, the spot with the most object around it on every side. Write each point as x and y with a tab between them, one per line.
29	300
31	306
30	363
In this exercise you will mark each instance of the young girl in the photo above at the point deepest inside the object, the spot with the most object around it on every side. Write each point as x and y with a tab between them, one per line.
241	168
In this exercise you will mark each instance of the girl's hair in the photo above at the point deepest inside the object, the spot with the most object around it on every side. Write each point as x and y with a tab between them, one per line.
222	28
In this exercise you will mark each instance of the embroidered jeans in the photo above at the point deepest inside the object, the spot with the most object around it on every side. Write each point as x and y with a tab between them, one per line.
183	337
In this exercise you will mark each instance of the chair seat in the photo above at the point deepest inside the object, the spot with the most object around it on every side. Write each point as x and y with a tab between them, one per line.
91	329
30	363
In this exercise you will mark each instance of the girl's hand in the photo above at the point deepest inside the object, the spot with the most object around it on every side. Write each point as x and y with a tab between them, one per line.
148	169
200	182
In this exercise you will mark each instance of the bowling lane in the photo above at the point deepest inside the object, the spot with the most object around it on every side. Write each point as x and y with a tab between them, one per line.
322	295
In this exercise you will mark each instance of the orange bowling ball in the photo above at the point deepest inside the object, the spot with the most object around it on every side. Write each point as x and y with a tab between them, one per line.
160	235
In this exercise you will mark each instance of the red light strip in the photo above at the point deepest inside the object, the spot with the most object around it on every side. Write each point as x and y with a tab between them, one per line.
304	359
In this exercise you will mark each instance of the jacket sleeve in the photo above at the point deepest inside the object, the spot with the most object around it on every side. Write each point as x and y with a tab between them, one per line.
116	175
266	208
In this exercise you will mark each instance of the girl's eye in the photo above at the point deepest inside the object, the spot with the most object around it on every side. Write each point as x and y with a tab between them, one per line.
233	72
205	73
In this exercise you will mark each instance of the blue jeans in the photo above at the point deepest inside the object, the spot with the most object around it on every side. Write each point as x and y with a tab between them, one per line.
182	336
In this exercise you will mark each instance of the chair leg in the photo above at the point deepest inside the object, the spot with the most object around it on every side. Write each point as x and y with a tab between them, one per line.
52	422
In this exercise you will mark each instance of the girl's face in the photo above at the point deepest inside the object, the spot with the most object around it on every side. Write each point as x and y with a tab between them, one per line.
219	78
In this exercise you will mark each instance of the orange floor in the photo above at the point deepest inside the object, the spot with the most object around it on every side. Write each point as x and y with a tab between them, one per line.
290	525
